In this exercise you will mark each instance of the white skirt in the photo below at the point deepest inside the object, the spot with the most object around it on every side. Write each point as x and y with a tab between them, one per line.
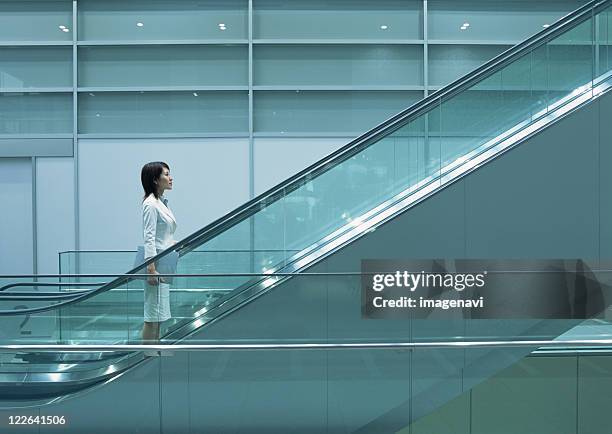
157	302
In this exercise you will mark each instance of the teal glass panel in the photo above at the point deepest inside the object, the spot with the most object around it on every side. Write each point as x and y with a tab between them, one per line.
541	391
449	62
182	65
474	117
24	67
163	112
35	113
95	262
604	42
493	21
168	20
570	62
36	20
338	19
334	111
109	317
382	65
594	382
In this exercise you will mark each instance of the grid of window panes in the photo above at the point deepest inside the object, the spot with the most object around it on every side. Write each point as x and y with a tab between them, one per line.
241	68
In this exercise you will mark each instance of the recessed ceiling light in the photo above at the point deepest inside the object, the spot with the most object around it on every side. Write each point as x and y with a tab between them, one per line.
466	24
383	27
463	28
140	24
546	25
65	30
62	27
195	94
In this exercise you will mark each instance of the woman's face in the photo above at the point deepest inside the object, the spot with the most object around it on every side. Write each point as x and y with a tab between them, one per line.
164	182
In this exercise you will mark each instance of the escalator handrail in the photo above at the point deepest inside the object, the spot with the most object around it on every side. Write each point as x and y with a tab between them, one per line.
356	145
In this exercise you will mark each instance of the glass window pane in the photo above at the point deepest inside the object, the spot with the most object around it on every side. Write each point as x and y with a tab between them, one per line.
163	112
511	20
337	111
449	62
570	61
384	65
162	20
23	67
604	40
337	19
36	20
35	113
182	65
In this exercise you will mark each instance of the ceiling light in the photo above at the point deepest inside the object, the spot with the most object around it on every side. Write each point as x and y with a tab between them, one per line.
65	30
62	27
195	94
383	27
463	28
466	24
546	25
140	24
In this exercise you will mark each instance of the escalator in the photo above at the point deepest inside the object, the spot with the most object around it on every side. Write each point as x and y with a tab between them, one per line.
331	215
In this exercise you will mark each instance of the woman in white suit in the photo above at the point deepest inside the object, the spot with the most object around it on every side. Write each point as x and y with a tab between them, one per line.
159	225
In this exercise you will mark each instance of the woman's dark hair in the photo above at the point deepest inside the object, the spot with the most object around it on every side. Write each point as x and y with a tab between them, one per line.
149	175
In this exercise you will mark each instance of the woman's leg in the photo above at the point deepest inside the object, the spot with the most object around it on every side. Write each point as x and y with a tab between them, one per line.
150	332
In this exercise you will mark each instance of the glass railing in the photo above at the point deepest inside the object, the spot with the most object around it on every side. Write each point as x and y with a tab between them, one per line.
378	175
424	391
82	262
518	304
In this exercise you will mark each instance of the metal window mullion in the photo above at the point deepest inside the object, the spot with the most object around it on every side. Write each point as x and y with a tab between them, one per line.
425	49
251	140
75	126
34	222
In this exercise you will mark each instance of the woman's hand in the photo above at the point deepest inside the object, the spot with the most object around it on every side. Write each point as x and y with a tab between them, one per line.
152	280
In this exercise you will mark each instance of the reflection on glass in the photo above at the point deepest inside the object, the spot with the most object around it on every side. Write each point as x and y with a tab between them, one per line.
35	113
26	67
338	19
35	20
169	20
337	111
163	112
177	65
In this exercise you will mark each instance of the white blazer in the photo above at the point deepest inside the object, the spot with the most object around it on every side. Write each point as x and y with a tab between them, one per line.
158	224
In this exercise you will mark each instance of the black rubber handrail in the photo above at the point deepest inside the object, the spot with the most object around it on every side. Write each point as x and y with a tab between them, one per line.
27	284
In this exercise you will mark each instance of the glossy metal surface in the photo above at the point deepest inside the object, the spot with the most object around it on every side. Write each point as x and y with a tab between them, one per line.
552	344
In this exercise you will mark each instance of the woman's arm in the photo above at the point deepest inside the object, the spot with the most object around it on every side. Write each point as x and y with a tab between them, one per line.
149	224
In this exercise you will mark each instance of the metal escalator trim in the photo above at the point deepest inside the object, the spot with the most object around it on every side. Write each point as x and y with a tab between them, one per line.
34	383
551	344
